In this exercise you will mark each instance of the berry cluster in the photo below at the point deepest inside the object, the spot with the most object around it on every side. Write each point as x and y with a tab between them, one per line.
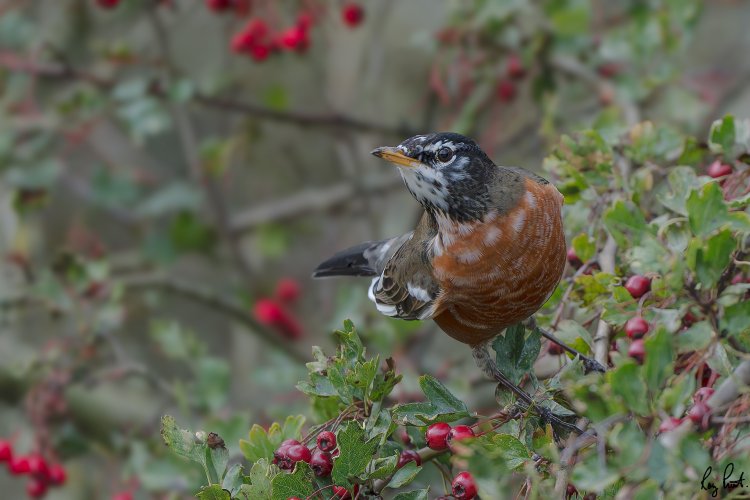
274	312
514	70
440	436
41	474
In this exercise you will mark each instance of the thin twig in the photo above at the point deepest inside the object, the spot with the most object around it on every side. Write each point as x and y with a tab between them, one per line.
221	304
606	261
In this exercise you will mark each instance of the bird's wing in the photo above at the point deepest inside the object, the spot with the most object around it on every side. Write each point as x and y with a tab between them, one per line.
365	259
406	288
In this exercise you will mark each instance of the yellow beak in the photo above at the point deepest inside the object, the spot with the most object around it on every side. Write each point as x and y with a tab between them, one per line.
395	156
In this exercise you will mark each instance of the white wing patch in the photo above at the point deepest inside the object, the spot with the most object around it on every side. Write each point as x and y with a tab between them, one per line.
418	293
386	309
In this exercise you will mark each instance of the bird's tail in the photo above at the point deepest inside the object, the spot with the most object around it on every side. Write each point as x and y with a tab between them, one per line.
350	262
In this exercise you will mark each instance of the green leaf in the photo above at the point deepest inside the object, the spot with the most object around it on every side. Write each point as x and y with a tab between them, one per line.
404	475
217	458
682	181
708	258
736	320
515	353
356	452
173	198
233	480
180	441
658	363
413	495
721	136
626	223
382	468
695	338
513	451
442	406
213	492
706	209
262	444
300	483
584	246
627	383
260	477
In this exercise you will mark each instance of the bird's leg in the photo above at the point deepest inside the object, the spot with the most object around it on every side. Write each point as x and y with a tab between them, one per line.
589	364
488	365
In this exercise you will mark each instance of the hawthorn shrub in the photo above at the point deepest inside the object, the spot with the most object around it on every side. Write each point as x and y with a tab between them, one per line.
655	235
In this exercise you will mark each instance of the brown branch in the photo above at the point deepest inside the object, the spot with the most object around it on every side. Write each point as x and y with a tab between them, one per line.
13	62
218	303
730	389
606	261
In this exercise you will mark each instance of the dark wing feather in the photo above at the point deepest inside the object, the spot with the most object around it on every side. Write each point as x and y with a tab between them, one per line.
365	259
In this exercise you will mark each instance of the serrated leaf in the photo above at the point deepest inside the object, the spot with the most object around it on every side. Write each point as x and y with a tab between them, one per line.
659	360
413	495
233	480
299	483
625	222
708	258
695	338
262	444
442	406
721	136
516	352
404	475
181	441
513	451
627	383
736	320
706	209
382	467
584	246
213	492
682	181
355	453
260	477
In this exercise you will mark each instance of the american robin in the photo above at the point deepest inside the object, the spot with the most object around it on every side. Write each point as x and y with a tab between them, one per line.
488	251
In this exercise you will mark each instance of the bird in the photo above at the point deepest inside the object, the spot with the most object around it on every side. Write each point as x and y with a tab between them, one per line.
487	253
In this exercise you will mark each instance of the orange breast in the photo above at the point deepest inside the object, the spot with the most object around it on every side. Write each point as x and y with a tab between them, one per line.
499	271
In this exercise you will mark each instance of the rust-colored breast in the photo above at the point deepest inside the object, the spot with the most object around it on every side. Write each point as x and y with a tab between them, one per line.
499	271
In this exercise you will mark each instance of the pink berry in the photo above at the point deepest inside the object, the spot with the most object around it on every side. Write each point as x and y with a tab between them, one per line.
343	493
57	475
19	465
608	70
719	169
697	414
326	441
36	488
353	14
38	466
638	285
555	349
637	350
123	495
321	463
268	312
108	4
636	327
703	394
6	450
219	5
299	453
260	53
506	91
514	67
464	487
437	435
670	424
408	456
294	38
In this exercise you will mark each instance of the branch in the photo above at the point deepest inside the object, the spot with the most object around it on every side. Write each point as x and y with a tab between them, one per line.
730	389
425	454
211	299
12	62
308	200
601	337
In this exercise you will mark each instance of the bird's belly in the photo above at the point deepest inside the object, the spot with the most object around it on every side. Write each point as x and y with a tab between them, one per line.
502	271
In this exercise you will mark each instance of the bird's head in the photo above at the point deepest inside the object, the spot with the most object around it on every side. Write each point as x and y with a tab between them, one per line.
445	172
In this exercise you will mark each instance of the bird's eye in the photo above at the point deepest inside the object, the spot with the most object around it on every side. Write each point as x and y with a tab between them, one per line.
444	154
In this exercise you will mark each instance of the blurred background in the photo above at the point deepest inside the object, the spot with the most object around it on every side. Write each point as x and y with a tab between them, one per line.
171	172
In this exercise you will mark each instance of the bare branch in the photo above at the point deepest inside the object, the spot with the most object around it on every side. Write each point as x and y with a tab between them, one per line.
606	261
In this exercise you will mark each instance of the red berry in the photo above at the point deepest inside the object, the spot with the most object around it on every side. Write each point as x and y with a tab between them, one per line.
698	412
219	5
268	312
506	91
719	169
514	67
294	38
299	453
405	438
702	394
464	487
637	350
321	463
571	491
57	475
108	4
573	259
460	432
636	327
737	279
670	424
287	290
353	14
688	319
408	456
326	441
281	457
437	435
555	349
18	465
260	53
123	495
608	70
6	450
38	466
637	285
343	493
36	488
305	20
